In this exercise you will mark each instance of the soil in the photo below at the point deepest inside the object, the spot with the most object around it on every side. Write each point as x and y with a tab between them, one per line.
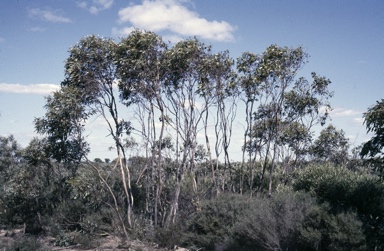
108	243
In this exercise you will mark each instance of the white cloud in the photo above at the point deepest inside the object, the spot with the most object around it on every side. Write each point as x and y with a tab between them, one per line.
359	121
95	6
172	38
342	112
171	15
48	15
29	89
123	31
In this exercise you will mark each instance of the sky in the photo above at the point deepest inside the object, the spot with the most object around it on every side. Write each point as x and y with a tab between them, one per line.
344	38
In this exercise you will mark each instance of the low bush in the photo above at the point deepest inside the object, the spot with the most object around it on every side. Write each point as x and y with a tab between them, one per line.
273	223
322	230
25	243
213	225
348	191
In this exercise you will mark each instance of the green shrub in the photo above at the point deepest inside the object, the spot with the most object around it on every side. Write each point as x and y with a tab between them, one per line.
349	191
273	223
214	224
323	230
234	222
169	237
26	243
67	238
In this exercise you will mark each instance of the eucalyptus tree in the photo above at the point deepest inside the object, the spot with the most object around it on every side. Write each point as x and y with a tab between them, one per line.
373	149
306	105
331	145
10	156
143	74
88	90
220	99
63	125
91	67
249	83
283	102
187	61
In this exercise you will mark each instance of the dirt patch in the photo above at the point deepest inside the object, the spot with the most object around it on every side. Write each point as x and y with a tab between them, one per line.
107	243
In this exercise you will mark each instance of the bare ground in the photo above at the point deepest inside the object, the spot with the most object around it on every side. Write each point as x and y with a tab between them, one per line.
108	243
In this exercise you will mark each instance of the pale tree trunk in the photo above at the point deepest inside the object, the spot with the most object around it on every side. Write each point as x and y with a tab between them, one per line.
116	204
159	158
207	144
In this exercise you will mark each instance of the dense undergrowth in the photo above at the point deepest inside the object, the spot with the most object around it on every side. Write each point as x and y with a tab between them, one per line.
320	207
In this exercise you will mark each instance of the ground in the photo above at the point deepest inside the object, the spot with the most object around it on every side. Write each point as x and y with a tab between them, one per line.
108	243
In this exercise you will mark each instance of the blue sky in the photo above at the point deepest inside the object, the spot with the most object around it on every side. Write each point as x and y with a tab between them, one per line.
345	41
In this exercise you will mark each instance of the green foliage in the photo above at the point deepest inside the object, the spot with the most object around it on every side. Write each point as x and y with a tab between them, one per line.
177	177
63	125
33	188
323	230
170	237
280	109
66	239
374	148
98	160
10	158
348	191
273	223
140	60
25	243
331	145
87	207
214	224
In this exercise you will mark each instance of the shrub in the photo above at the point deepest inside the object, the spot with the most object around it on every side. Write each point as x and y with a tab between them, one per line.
323	230
214	224
234	222
26	243
273	223
348	191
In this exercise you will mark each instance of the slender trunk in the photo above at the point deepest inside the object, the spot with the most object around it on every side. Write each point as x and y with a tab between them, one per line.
271	171
159	158
207	143
126	185
174	204
116	204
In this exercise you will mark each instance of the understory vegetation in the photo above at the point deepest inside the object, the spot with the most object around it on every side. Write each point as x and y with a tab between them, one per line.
291	189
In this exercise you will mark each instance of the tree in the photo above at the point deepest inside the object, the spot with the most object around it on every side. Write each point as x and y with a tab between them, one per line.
63	124
10	157
187	73
331	145
10	154
88	89
29	189
285	104
98	160
374	148
143	74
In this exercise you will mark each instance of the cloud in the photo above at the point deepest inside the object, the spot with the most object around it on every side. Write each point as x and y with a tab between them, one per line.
342	112
123	31
171	15
48	15
29	89
2	39
358	121
95	6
